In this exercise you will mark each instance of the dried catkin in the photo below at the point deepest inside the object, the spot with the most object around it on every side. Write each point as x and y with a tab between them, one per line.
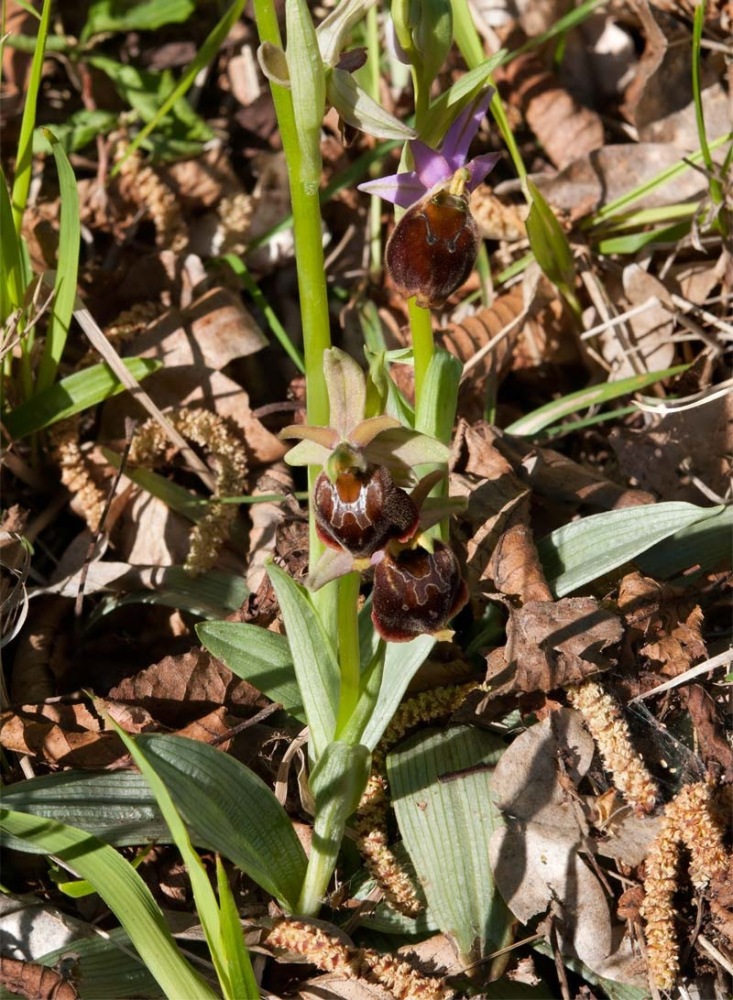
609	730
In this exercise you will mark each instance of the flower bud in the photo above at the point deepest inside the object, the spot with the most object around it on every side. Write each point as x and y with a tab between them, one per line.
433	247
362	510
416	591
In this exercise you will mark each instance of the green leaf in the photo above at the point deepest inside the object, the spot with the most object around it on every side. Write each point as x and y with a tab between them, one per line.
203	893
77	130
256	655
587	549
704	544
71	395
308	88
314	658
550	246
64	286
134	15
231	810
12	284
439	396
211	595
114	806
107	967
124	892
594	395
239	967
440	784
401	662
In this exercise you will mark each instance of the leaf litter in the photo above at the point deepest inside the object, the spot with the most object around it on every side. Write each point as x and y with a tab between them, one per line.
572	859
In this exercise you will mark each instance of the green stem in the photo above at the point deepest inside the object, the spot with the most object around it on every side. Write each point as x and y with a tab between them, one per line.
348	637
423	347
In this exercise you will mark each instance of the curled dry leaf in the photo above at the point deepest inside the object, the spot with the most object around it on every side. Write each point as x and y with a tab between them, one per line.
552	644
500	547
714	748
184	687
663	624
557	477
565	129
537	856
30	979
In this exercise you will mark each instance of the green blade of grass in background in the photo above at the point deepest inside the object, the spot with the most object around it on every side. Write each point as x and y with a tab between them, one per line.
550	413
106	16
23	161
67	268
12	283
124	892
71	395
205	54
551	247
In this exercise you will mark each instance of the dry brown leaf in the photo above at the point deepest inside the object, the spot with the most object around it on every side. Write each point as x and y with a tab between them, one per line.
556	643
213	331
607	173
665	455
663	624
66	735
331	987
37	982
498	219
495	522
185	687
557	477
565	129
32	678
721	903
714	748
537	856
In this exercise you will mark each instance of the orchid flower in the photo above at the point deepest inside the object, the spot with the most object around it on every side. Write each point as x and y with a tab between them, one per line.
435	169
434	246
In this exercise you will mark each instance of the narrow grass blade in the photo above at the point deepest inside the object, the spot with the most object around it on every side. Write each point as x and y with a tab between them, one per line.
106	16
67	268
441	791
12	285
588	549
124	892
314	658
23	160
551	247
203	893
256	655
204	55
231	810
240	976
595	395
71	395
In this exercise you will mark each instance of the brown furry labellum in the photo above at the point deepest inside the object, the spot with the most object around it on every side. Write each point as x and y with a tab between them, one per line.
362	511
433	248
416	592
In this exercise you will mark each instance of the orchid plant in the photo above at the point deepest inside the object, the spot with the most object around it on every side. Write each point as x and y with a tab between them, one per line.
371	516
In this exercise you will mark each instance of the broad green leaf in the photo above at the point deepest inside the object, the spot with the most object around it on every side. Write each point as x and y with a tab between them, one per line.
67	269
231	810
114	806
440	782
337	783
256	655
587	549
134	15
706	543
203	892
210	595
550	245
594	395
314	658
71	395
108	968
401	662
124	892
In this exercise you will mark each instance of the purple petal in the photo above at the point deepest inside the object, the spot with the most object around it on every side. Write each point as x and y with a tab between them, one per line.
401	189
431	167
460	135
480	166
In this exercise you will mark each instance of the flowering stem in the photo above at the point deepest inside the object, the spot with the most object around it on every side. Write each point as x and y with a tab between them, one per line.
308	247
348	637
421	325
